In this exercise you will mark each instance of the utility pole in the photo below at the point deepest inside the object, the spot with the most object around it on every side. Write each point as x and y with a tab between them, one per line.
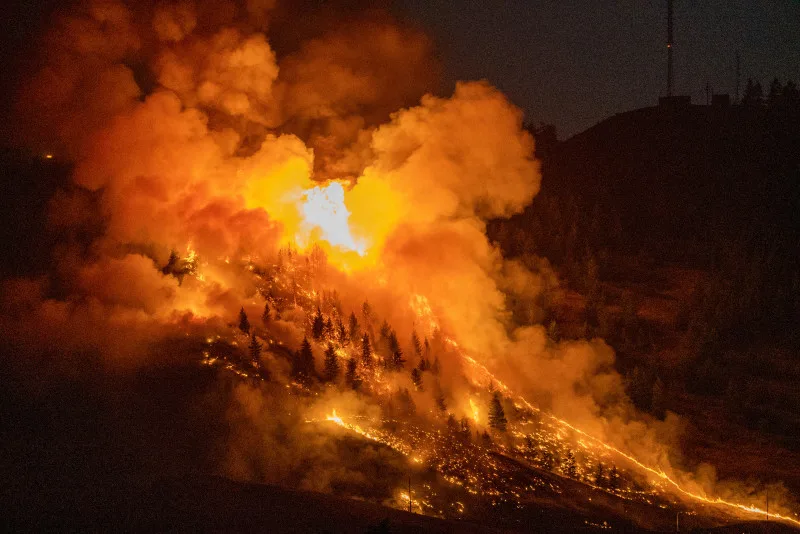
409	493
669	47
738	74
767	506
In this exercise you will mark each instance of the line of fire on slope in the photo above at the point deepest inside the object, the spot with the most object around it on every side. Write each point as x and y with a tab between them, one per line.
480	467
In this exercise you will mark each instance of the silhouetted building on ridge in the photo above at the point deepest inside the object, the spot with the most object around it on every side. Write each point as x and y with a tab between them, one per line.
675	102
721	101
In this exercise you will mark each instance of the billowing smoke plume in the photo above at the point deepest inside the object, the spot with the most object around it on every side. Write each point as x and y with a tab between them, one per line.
200	137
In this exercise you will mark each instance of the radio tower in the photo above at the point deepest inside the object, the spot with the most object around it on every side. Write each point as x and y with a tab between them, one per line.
669	48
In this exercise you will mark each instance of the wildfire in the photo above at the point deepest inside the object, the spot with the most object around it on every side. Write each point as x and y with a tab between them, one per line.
420	445
480	470
423	196
659	473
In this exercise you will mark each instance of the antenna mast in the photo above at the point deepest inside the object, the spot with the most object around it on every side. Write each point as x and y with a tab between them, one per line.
738	71
669	47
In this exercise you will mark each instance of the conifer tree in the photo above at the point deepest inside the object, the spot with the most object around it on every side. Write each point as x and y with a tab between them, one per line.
791	95
318	326
497	416
366	313
436	366
266	315
341	332
172	263
775	92
423	365
366	352
466	431
570	468
416	344
599	475
394	345
397	359
753	93
244	324
296	371
441	403
416	378
354	330
255	351
385	332
351	377
331	364
613	478
303	364
177	267
328	331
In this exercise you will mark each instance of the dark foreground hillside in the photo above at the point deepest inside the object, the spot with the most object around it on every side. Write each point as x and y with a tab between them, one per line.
211	504
138	453
136	457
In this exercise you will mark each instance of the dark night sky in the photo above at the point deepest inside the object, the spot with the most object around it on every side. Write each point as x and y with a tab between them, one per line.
575	62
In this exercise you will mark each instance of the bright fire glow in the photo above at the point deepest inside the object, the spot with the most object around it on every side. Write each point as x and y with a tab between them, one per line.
475	413
335	418
422	309
323	210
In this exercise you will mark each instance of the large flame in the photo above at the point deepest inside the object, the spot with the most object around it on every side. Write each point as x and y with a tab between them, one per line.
335	418
323	210
476	416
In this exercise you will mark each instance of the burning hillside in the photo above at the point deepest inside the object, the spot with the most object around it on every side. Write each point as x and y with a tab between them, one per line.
311	222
